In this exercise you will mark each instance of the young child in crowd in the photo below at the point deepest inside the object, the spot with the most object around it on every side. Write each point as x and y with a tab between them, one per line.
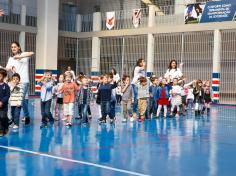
143	95
59	95
118	94
16	99
176	99
46	84
198	93
104	97
190	97
111	80
4	97
163	96
153	97
84	97
127	98
207	97
69	90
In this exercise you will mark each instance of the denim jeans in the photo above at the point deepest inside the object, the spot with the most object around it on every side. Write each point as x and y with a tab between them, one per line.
105	108
15	113
112	113
25	87
84	111
45	111
135	104
152	106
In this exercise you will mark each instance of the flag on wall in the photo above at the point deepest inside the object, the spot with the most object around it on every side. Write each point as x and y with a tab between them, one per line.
110	21
136	17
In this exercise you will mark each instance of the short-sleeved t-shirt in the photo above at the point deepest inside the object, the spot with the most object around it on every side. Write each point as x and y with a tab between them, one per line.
21	66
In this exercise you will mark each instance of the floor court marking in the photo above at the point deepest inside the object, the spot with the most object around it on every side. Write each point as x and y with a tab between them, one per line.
74	161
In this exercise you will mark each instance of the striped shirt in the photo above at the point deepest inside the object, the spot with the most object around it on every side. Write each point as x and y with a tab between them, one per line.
16	97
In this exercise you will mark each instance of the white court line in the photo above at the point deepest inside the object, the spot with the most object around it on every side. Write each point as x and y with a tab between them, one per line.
74	161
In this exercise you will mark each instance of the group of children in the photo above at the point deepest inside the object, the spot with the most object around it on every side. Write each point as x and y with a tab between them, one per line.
155	97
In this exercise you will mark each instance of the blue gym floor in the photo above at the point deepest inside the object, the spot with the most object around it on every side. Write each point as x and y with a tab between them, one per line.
176	147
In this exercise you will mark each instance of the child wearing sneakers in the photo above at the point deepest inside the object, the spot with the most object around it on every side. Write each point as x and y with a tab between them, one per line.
46	84
104	96
4	97
59	104
69	90
143	95
127	98
153	97
16	99
176	99
84	98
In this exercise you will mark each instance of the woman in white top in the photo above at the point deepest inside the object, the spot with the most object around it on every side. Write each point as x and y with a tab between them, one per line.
72	72
173	72
116	76
19	63
139	71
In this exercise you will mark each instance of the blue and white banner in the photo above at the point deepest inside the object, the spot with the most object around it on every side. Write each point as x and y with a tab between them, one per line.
213	11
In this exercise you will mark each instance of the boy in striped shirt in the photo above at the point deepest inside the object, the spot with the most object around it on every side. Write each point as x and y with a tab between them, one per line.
16	99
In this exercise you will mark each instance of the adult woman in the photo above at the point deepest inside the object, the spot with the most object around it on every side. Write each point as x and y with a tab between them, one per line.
139	71
116	76
19	63
72	72
173	72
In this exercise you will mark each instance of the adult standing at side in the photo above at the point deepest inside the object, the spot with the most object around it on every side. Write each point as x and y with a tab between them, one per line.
139	71
72	72
173	71
19	63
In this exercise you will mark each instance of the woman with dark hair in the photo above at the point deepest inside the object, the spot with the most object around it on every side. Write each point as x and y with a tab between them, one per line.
173	71
19	63
139	71
116	76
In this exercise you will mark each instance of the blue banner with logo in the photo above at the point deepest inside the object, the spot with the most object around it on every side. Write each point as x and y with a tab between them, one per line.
213	11
218	11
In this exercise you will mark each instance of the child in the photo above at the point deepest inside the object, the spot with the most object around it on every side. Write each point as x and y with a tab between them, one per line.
163	97
190	97
98	100
69	90
153	97
46	84
84	98
207	98
118	94
4	97
59	95
198	93
111	80
16	99
176	99
127	98
143	95
104	94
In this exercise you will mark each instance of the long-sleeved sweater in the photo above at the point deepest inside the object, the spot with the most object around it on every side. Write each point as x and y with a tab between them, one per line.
105	90
4	96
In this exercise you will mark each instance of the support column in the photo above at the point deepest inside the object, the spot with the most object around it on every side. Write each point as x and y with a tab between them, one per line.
216	66
47	38
95	69
150	44
97	20
23	23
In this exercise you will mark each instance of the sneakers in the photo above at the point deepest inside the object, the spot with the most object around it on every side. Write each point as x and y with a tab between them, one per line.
23	120
69	124
43	125
12	125
15	127
101	120
90	117
131	119
27	120
112	121
124	120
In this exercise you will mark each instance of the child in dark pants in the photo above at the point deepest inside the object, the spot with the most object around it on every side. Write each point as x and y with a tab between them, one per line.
4	97
46	84
104	94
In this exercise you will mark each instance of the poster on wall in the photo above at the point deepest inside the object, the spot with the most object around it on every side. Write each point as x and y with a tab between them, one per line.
212	11
193	13
136	18
110	21
218	11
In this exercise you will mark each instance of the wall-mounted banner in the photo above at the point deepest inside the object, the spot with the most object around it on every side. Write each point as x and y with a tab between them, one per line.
213	11
136	17
218	11
193	13
110	21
